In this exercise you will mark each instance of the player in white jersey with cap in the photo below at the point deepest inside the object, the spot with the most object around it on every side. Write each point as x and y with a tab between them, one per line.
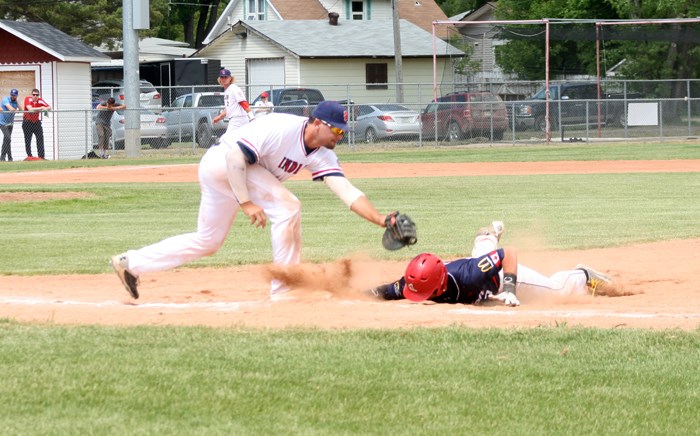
236	108
245	172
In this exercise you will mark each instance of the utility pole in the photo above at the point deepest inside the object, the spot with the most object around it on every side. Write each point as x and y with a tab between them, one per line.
135	15
397	52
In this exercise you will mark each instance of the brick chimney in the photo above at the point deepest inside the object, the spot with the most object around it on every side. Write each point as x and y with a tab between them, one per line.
333	18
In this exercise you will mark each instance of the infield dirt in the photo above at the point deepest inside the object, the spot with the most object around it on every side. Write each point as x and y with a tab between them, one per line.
664	294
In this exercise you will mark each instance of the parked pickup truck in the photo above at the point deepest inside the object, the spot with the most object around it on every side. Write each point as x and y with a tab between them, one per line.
191	117
297	101
573	104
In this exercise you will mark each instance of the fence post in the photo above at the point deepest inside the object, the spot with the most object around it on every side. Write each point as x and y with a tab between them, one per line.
661	120
420	115
687	99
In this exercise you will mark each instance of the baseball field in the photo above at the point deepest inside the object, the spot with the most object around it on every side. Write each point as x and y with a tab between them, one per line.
204	351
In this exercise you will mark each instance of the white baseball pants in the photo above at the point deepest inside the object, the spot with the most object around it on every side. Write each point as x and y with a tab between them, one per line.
571	282
217	212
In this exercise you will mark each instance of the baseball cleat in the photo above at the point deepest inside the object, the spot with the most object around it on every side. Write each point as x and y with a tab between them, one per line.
130	281
496	228
597	282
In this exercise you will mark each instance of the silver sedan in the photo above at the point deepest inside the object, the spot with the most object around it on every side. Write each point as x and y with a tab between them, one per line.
153	129
386	120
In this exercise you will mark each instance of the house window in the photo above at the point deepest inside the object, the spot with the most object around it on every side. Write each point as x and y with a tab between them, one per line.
376	76
256	9
357	10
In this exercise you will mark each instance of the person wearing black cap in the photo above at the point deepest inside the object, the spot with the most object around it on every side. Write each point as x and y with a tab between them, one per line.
236	108
245	172
7	119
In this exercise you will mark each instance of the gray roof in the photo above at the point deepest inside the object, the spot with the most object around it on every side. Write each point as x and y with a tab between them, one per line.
359	38
51	40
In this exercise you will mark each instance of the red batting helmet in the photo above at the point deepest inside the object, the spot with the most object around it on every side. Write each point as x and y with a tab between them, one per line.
426	276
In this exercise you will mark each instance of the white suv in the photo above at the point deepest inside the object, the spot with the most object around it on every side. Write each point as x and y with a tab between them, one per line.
149	96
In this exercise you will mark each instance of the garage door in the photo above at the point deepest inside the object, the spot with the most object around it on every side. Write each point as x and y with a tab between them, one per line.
264	73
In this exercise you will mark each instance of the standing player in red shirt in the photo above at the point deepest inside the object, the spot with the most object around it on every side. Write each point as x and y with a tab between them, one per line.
31	125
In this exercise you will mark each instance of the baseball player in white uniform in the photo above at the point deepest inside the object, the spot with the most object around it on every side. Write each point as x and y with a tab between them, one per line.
236	108
245	172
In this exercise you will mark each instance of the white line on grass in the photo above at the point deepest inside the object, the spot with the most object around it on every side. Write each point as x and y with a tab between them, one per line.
229	306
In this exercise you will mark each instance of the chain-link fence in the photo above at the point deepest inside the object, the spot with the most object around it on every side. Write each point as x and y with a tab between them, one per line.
462	114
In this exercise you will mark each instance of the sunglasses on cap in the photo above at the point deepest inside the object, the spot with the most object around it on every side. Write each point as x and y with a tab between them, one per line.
335	130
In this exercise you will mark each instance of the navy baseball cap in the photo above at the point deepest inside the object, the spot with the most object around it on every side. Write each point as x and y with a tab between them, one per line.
224	73
14	93
333	113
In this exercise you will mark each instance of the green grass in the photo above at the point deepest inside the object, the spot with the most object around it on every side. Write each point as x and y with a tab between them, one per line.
192	380
150	380
567	211
522	153
403	152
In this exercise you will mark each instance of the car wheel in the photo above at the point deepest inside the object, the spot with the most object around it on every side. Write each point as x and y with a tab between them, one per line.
454	133
205	138
370	135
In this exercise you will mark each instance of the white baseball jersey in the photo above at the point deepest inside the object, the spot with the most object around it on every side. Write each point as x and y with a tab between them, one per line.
275	144
262	108
235	114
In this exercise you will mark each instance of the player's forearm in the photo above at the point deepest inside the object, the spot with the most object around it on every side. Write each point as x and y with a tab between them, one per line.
237	172
510	260
510	270
354	199
364	208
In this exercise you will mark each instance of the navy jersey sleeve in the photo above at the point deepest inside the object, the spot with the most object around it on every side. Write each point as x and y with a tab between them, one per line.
470	278
390	291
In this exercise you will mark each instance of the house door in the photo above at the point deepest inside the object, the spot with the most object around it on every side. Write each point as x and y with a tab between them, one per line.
264	74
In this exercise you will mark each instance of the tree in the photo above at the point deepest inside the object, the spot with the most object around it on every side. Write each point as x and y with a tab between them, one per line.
526	56
454	7
93	22
644	59
192	20
99	22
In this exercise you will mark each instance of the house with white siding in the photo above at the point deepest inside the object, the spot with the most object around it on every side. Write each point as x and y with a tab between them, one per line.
422	13
348	60
37	55
343	47
483	37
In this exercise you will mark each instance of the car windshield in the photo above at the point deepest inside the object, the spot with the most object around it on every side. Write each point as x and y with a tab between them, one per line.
144	87
312	96
391	107
147	89
211	101
487	97
553	93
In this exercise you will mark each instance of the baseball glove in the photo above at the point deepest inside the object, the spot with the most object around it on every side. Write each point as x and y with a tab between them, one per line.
400	231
